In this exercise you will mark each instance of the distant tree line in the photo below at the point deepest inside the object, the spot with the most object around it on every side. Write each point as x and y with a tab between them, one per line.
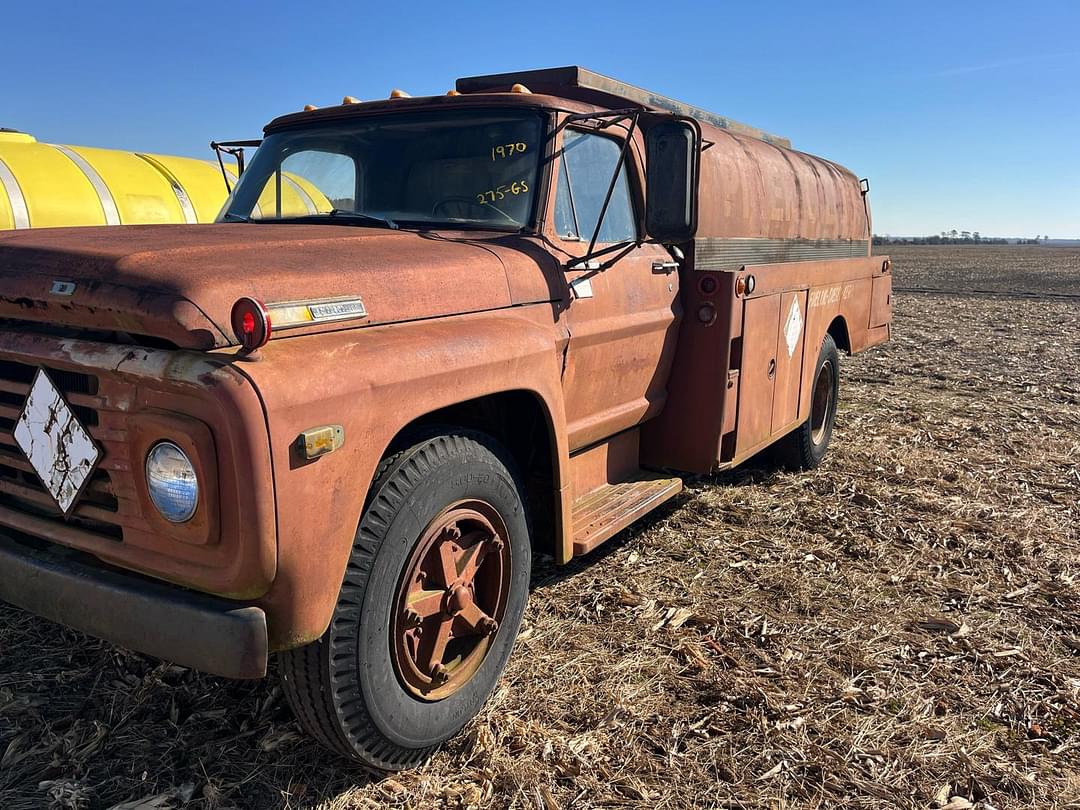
955	237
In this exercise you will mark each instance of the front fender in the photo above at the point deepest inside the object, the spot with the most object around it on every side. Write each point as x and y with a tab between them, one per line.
373	382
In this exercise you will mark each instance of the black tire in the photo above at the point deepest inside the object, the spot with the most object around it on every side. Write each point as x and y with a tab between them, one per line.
344	688
805	447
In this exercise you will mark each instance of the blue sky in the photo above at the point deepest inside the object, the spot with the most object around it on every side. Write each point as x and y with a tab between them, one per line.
963	116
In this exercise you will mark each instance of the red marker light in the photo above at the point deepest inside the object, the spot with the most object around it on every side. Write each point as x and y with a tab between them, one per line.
251	323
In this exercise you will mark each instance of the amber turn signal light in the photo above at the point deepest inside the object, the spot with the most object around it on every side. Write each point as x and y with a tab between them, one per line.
250	323
744	285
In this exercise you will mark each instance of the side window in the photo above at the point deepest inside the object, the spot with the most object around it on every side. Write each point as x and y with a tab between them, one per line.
588	162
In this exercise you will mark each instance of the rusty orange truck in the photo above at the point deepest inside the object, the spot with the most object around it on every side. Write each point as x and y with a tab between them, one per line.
512	318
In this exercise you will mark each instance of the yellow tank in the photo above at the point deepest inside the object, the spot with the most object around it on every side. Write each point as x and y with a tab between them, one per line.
47	186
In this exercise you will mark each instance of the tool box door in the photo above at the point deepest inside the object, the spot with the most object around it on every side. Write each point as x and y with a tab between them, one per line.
789	359
761	319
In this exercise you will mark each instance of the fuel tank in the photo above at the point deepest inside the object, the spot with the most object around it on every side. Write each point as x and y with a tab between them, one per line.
46	186
753	189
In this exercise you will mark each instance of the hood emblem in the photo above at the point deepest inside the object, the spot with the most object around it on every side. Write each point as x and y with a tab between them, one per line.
290	314
336	310
62	288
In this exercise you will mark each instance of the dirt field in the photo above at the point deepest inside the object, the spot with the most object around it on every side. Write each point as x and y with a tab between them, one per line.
900	628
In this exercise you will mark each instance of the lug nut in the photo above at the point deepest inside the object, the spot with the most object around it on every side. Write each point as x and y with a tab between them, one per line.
412	618
497	544
452	532
439	675
487	626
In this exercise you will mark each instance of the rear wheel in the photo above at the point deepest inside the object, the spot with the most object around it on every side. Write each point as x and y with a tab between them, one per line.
805	447
429	609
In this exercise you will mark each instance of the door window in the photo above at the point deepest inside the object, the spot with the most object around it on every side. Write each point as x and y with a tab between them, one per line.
588	161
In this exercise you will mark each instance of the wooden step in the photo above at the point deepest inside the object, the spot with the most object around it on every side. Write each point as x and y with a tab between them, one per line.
600	514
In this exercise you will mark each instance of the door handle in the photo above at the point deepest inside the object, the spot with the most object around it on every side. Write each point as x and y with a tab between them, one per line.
660	266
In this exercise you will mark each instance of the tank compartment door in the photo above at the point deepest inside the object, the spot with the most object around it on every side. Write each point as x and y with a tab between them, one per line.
771	371
757	376
789	359
881	301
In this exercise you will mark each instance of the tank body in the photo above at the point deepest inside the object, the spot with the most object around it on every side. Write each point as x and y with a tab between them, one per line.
755	190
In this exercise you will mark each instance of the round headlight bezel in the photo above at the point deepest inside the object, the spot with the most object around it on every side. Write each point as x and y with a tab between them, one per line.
156	499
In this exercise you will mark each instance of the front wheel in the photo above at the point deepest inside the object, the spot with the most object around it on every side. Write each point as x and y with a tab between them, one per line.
429	608
805	447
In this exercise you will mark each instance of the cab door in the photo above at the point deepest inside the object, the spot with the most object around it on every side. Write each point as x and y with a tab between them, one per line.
622	320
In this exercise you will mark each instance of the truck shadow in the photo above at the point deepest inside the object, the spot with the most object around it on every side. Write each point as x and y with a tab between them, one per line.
81	716
100	725
546	573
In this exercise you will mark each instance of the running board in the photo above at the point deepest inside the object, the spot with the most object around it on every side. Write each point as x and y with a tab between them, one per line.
600	514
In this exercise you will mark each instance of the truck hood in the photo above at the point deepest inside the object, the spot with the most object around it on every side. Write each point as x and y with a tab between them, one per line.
179	283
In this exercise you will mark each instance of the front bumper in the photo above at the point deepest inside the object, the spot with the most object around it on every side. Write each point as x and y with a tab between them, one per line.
208	634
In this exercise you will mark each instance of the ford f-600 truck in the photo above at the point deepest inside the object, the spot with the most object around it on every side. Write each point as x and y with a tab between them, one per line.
507	323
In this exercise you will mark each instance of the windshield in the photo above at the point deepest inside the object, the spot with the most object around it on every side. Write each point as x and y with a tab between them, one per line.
467	167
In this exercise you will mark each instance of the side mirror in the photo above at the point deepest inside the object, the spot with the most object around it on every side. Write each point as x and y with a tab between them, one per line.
672	162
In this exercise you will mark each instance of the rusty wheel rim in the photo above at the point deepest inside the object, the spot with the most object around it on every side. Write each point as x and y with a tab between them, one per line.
821	410
451	599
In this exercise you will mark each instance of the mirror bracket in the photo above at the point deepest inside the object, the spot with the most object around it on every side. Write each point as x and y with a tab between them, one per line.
234	149
667	234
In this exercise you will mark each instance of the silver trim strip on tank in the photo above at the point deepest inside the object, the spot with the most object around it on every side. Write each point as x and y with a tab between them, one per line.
16	200
728	253
108	204
305	198
190	217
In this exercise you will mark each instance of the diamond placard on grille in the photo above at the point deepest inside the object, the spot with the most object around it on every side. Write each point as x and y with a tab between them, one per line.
59	448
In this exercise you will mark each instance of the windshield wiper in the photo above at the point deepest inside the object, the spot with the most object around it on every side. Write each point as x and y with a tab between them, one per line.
361	217
335	213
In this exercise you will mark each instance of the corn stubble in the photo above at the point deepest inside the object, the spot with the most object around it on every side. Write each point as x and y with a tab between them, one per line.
899	628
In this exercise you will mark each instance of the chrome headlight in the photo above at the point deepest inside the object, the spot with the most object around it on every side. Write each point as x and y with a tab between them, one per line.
171	479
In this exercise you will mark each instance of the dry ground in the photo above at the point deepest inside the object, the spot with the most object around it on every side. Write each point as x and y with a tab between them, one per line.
900	628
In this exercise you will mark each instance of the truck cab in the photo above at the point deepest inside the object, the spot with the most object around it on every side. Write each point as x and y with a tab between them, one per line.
427	339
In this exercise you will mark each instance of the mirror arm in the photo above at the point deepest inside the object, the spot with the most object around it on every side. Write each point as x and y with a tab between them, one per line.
628	247
604	119
234	149
221	163
580	263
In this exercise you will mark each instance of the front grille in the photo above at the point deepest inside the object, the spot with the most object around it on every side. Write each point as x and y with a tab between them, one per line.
20	488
